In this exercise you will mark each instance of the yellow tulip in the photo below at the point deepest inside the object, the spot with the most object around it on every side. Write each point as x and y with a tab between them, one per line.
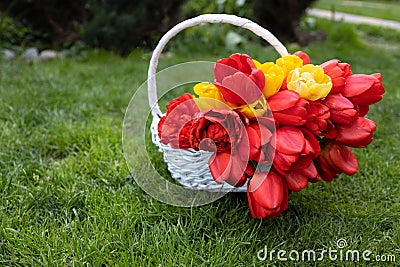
207	90
289	63
255	109
209	96
274	76
310	82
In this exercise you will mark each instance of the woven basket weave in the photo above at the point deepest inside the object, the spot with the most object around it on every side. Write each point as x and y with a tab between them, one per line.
190	167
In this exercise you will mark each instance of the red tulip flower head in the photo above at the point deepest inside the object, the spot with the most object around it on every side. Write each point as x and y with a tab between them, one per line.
364	90
174	128
335	158
267	195
230	168
216	130
338	73
342	110
288	108
238	79
357	134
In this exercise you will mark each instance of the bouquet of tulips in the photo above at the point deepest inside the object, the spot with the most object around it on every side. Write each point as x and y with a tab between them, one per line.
275	125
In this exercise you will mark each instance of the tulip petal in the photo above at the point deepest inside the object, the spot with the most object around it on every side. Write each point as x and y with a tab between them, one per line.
220	164
254	136
303	56
296	181
312	145
351	135
363	110
256	210
302	162
338	101
282	100
239	89
325	169
265	134
357	84
367	99
283	162
357	134
342	157
258	77
288	119
237	175
289	140
311	172
329	65
267	189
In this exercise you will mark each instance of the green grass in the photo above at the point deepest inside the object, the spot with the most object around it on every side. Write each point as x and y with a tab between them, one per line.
379	9
67	198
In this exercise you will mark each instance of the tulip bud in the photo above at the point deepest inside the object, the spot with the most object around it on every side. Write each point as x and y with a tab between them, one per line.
258	136
338	73
364	90
303	56
267	195
238	79
317	118
288	108
341	109
335	158
357	134
228	167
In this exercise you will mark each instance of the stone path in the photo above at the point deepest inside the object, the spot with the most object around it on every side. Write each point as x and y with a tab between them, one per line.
356	19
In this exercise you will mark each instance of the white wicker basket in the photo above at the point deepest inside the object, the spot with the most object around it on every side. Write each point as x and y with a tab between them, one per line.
190	167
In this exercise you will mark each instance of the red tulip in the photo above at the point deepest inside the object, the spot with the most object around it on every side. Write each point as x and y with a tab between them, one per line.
228	167
335	158
289	141
363	110
216	129
338	73
303	56
290	144
267	195
330	131
364	90
259	133
174	127
184	103
357	134
288	108
175	135
341	109
294	148
312	173
294	151
302	169
238	79
317	118
298	179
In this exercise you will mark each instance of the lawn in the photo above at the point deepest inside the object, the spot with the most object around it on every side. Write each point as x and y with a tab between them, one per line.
380	9
67	197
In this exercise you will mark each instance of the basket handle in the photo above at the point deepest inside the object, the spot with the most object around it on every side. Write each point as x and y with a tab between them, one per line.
210	18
